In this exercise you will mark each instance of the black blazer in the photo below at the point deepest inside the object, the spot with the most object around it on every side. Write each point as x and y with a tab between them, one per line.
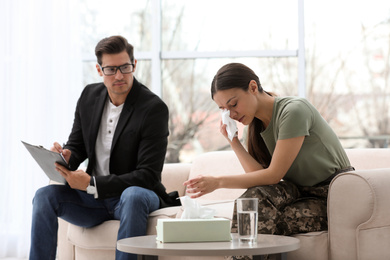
138	147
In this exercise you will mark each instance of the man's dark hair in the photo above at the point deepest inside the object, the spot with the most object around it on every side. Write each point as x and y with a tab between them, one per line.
113	45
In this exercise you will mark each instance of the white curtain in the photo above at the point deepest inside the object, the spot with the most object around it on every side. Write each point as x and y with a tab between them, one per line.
40	77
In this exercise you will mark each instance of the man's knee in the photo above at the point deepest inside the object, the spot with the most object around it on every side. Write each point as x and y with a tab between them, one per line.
47	195
133	194
44	193
43	198
137	197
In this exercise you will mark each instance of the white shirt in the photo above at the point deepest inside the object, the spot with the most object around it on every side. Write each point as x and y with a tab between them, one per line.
103	145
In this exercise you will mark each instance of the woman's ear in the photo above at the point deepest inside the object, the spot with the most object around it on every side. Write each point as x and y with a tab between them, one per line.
253	87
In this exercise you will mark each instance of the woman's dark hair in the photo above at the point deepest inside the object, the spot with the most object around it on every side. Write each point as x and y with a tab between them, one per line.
237	75
113	45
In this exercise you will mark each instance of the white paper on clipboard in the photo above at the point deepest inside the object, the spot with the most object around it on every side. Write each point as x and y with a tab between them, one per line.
46	159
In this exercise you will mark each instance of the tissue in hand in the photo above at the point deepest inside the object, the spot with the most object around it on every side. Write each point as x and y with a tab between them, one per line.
197	224
231	127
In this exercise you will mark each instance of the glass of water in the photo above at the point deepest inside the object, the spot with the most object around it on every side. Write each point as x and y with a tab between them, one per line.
247	219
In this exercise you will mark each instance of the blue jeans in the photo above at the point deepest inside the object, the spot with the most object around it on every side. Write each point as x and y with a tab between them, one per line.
79	208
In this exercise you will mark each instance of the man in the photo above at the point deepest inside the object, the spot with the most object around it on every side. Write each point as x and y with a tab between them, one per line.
121	127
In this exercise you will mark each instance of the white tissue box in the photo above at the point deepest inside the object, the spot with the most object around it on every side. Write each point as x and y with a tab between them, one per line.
193	230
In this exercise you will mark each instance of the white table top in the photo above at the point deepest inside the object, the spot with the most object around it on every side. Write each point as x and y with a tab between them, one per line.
266	244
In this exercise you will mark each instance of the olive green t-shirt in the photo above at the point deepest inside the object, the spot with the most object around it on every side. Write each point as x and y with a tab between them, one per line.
321	153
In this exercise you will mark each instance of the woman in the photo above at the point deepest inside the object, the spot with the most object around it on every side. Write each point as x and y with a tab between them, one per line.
292	154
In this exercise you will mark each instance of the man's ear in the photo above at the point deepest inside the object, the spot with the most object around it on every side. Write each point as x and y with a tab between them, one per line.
135	65
99	70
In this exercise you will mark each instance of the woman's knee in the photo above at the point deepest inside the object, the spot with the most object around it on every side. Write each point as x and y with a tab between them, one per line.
307	215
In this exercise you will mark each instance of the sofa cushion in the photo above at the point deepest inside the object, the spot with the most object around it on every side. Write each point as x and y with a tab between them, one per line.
92	238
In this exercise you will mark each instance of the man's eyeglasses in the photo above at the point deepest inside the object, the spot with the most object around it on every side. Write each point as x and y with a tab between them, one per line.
111	70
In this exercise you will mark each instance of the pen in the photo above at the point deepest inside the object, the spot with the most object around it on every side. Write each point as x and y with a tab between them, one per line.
62	156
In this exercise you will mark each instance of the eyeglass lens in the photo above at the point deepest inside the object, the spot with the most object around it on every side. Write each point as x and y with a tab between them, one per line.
125	69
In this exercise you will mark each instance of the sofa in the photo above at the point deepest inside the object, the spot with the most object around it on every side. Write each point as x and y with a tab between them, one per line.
358	211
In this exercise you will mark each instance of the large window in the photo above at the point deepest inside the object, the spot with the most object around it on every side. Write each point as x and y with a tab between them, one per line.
181	44
190	41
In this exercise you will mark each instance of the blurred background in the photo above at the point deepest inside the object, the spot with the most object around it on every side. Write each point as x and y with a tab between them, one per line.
334	53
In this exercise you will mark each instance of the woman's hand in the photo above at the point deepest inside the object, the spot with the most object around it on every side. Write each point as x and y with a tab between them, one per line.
201	185
222	129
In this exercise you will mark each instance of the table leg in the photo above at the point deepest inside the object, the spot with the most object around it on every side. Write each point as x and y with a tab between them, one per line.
147	257
258	257
281	256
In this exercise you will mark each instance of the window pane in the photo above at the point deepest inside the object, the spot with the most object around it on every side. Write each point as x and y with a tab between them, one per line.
90	74
143	72
217	25
348	79
194	117
100	19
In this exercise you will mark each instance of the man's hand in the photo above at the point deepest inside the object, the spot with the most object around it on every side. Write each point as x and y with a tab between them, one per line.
65	152
76	179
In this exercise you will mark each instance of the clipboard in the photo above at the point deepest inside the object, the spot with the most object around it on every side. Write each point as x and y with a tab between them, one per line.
46	159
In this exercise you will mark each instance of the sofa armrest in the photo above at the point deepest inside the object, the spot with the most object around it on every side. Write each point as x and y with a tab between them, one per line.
359	215
65	250
174	175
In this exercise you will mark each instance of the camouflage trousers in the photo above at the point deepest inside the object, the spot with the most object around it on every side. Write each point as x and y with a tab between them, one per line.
287	209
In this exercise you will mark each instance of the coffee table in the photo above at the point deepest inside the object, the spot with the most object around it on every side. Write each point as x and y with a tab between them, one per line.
147	247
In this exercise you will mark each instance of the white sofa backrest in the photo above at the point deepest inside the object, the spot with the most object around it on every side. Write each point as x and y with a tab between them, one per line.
216	164
174	175
369	158
226	163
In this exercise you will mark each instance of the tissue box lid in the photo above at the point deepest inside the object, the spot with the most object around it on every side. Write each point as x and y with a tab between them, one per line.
193	230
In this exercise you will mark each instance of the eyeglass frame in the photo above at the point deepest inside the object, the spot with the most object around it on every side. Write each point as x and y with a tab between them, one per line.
117	68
